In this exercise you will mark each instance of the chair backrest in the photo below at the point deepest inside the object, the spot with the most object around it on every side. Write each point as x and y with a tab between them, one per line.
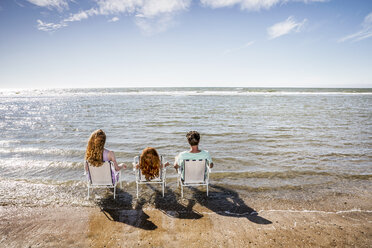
100	175
194	171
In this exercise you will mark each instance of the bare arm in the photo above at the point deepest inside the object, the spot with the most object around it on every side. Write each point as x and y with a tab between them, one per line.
211	165
111	157
175	165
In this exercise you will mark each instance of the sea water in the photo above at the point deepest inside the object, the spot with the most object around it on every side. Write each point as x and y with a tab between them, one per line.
257	137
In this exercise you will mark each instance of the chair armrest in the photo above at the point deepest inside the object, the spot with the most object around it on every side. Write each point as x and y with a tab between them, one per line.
135	162
85	171
209	168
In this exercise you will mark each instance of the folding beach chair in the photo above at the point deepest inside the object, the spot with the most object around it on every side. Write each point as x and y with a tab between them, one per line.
193	173
101	177
141	179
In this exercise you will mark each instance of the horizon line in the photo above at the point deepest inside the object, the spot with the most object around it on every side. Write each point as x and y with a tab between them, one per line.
191	87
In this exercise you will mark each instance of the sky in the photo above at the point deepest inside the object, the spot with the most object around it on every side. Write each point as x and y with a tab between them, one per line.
188	43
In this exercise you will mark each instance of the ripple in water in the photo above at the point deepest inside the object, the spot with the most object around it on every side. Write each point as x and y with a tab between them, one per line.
257	137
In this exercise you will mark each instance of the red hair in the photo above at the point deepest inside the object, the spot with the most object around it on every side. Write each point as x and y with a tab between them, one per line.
150	163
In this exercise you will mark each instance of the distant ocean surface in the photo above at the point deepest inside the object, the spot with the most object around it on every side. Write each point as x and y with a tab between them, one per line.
261	137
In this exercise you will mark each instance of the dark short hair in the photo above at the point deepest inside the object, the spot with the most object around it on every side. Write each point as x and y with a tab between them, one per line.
193	138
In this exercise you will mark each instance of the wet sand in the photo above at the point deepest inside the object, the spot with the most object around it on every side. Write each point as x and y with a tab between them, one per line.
229	217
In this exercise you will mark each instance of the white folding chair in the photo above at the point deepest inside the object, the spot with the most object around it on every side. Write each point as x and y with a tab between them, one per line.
101	177
193	173
141	179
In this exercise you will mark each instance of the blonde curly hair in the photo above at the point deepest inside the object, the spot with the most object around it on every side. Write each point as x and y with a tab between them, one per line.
94	152
150	163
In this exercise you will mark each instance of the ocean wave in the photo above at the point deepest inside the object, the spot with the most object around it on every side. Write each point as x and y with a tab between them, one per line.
288	174
66	169
41	151
16	164
180	92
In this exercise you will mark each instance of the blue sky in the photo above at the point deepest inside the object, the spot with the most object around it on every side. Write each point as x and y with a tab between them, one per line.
222	43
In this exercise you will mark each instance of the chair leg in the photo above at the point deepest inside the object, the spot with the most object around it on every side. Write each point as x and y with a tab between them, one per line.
114	191
88	194
181	191
137	190
162	185
121	181
207	189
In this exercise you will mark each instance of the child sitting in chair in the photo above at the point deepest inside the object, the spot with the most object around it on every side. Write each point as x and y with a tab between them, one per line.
150	164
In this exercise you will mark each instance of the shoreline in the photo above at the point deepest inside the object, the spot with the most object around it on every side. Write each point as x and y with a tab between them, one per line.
229	217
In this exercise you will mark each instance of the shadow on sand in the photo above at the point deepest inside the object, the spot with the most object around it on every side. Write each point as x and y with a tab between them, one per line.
170	205
221	200
227	202
121	210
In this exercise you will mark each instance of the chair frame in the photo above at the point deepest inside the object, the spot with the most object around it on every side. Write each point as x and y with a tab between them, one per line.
202	183
92	185
159	180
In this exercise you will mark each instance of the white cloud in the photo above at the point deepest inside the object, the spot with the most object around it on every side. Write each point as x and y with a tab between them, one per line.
285	27
84	14
244	4
152	16
364	33
49	27
57	4
114	19
239	48
108	7
144	8
150	26
153	8
250	4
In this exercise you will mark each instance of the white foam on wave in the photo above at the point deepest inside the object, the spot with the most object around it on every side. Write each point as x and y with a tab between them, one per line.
167	92
7	143
39	151
21	164
316	211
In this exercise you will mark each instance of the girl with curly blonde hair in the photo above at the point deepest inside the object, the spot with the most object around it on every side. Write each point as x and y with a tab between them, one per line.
96	153
150	163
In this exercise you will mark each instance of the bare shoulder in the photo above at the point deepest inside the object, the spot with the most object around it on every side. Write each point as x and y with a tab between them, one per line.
111	154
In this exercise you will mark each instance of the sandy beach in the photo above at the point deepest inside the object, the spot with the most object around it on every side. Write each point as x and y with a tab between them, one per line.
239	217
